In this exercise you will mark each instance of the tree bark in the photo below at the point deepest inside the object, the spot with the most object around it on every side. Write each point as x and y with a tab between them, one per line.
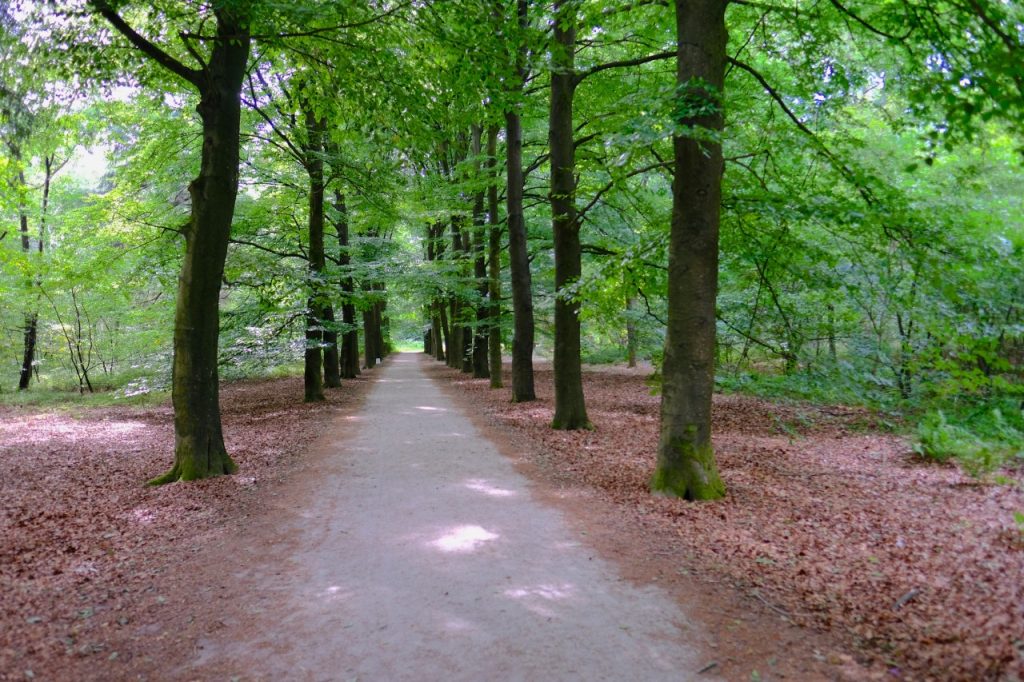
458	347
29	356
31	317
493	263
313	381
369	338
199	450
631	338
445	331
686	463
436	340
570	407
519	260
454	350
332	355
349	359
482	328
379	322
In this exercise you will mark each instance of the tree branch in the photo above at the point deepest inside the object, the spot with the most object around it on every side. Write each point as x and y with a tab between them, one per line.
868	26
622	64
608	11
843	169
336	27
145	46
267	249
601	192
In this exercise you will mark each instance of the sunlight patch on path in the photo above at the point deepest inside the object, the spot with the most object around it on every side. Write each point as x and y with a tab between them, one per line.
482	486
464	539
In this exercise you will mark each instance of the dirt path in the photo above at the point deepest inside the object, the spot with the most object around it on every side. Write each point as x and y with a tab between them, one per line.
412	550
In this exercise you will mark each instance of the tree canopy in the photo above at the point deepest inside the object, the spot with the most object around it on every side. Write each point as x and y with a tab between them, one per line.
816	199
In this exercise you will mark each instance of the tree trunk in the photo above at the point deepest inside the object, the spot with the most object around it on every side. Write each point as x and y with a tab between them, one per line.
686	463
332	355
30	335
28	359
369	338
313	380
457	346
199	450
631	339
445	332
482	328
570	407
493	263
832	332
31	318
519	260
379	322
436	340
349	359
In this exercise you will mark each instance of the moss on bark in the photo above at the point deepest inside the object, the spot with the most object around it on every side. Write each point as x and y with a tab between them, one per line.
689	472
195	468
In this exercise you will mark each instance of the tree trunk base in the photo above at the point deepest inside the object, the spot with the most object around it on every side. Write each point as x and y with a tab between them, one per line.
225	466
573	423
690	474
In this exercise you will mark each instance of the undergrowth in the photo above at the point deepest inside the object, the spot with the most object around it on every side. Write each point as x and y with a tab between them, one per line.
981	430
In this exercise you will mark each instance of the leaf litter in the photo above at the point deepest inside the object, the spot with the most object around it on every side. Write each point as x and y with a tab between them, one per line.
95	571
828	521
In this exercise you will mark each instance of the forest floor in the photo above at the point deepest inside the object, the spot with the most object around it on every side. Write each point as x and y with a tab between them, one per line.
98	572
830	524
836	555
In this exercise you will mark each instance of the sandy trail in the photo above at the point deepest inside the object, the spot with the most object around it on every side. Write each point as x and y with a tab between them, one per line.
412	550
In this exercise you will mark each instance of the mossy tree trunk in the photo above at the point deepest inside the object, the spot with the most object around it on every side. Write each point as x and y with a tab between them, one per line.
570	407
686	465
199	450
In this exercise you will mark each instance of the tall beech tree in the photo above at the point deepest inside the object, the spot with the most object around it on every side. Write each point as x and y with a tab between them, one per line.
199	450
493	261
481	328
350	336
313	150
17	123
300	130
518	256
686	463
570	406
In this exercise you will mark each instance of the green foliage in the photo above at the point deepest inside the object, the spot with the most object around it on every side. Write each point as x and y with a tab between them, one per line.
872	249
939	440
991	443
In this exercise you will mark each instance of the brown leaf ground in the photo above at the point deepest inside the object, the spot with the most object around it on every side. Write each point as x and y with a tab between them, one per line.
93	563
917	567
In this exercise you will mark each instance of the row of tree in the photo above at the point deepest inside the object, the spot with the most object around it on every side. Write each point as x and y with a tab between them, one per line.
818	141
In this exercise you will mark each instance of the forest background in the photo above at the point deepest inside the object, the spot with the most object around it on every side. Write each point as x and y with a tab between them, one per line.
815	203
871	224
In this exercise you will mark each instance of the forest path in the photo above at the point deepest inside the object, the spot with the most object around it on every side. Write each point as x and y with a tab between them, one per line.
411	549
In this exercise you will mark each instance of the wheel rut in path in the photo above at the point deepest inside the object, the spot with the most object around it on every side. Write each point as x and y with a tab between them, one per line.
411	549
